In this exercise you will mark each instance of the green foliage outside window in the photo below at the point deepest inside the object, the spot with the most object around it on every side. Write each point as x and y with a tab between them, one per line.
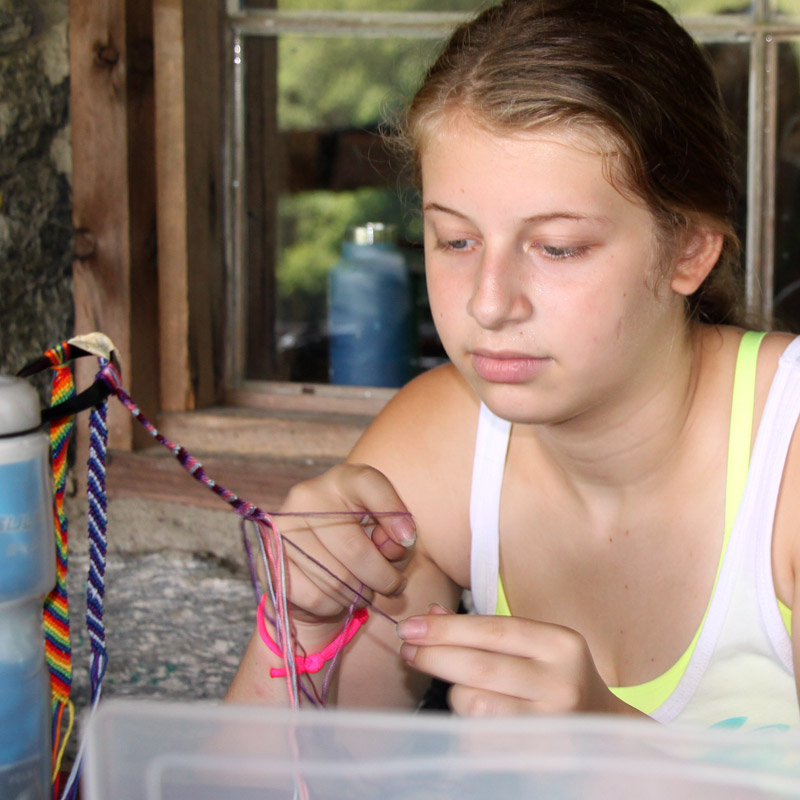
330	84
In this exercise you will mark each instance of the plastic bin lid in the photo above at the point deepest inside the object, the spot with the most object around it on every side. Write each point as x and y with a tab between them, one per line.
19	406
145	750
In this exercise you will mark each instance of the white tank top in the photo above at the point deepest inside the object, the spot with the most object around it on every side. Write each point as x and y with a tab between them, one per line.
740	674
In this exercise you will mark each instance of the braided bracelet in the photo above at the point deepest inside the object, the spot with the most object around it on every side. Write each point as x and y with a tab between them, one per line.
315	661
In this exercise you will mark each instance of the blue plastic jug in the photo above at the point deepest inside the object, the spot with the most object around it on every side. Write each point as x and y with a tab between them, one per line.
27	572
370	310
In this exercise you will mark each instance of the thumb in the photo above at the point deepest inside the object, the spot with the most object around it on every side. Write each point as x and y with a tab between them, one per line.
394	536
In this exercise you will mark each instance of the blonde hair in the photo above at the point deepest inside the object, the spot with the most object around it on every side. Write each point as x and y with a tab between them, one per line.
625	70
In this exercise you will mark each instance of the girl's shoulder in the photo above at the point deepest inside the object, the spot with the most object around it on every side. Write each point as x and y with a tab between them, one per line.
433	408
423	442
721	346
772	348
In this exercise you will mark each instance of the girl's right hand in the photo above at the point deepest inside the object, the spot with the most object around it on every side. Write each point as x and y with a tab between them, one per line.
352	521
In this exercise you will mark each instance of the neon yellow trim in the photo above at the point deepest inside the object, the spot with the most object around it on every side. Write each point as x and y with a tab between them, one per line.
742	407
502	609
647	697
786	615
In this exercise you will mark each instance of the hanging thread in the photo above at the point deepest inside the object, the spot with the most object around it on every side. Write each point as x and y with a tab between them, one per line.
56	606
271	543
95	582
58	651
98	544
110	375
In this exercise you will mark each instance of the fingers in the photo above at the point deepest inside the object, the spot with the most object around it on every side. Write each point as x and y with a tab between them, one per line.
321	596
485	672
402	528
504	664
344	548
345	529
556	699
470	702
360	488
510	635
364	488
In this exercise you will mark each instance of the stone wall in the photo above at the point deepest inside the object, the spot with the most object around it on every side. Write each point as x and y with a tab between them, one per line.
36	308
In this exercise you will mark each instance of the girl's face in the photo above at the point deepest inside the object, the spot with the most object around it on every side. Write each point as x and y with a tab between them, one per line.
541	275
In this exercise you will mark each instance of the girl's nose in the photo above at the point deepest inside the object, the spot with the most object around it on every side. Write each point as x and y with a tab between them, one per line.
499	294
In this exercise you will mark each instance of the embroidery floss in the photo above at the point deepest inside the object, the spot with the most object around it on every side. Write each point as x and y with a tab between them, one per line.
270	538
58	651
56	611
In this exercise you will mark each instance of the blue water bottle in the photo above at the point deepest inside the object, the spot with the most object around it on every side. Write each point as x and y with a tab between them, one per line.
370	310
27	572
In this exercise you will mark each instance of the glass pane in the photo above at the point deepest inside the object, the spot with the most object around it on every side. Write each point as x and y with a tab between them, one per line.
788	8
316	166
328	171
787	190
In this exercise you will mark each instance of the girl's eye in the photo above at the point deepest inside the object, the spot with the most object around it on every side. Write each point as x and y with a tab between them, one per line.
455	245
559	253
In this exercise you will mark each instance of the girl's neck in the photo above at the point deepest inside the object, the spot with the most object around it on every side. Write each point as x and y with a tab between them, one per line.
640	436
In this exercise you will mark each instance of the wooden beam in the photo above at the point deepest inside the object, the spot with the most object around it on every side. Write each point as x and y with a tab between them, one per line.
262	187
188	163
115	276
203	76
172	201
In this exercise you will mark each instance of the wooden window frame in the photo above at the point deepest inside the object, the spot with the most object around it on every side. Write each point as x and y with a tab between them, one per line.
149	176
147	121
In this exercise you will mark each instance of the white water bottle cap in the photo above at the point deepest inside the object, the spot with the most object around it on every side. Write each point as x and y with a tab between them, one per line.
19	406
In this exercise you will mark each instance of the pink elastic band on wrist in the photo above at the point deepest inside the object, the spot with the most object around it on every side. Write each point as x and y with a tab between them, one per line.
315	661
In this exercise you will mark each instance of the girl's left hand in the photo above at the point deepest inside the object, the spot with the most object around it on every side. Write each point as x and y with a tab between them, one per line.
507	665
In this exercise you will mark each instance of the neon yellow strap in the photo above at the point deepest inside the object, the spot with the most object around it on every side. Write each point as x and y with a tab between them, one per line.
647	697
741	434
502	609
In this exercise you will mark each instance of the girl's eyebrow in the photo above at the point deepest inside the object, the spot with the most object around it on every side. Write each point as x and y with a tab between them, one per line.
547	217
444	210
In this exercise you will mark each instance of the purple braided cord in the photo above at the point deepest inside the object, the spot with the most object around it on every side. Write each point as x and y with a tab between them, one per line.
95	585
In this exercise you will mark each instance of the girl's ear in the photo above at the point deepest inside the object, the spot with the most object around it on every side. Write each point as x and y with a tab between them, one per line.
696	260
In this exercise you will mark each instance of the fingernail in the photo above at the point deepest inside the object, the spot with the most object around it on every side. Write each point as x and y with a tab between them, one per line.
408	651
412	628
438	608
405	530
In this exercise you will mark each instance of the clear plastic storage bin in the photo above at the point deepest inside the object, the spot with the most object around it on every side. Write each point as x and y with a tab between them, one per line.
165	751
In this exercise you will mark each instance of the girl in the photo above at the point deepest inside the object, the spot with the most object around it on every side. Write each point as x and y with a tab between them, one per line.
607	461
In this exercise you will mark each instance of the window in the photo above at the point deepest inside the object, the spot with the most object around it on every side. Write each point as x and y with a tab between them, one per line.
309	87
310	90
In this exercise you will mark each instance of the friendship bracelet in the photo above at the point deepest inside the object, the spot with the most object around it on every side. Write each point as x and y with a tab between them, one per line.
315	661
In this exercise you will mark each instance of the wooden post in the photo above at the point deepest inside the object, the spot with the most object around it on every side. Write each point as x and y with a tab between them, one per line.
262	189
188	161
115	270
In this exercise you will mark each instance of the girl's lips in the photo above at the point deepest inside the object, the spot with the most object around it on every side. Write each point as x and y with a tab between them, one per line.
507	368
